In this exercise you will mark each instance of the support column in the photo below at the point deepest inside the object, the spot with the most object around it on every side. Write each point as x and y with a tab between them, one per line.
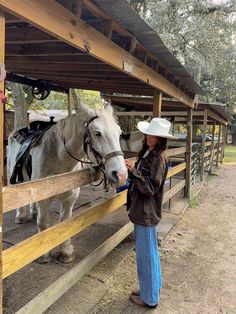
189	153
224	132
157	103
218	147
2	61
69	102
212	146
225	139
203	145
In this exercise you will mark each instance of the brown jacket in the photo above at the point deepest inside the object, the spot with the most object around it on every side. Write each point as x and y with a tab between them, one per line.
145	194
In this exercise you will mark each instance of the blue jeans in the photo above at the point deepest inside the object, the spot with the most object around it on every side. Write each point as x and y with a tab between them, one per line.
148	263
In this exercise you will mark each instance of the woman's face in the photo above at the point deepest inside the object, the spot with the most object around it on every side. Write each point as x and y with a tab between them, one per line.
152	141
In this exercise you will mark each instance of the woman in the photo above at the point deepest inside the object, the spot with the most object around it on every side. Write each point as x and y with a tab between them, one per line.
144	202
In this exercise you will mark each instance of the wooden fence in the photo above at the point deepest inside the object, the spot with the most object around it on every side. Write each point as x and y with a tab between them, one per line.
23	253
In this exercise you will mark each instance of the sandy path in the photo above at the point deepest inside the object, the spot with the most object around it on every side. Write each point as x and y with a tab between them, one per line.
198	258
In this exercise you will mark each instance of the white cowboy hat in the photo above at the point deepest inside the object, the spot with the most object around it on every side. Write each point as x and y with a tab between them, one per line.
158	127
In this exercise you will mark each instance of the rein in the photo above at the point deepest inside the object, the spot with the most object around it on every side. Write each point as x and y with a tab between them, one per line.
101	160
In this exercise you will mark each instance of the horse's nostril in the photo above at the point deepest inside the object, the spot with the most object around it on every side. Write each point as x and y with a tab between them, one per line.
115	175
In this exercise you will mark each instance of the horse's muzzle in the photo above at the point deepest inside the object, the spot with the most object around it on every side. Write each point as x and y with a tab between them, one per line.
118	178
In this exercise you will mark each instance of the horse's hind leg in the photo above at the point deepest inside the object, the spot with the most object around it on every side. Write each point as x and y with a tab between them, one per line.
44	222
22	214
66	249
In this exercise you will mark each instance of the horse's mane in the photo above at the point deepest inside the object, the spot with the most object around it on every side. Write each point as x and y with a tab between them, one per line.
67	127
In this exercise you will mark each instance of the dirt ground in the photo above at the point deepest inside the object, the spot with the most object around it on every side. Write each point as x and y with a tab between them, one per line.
198	258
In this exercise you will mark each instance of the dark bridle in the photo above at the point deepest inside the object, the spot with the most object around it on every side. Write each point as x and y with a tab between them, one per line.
88	145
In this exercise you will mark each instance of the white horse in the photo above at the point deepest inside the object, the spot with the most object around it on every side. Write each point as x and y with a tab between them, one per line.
132	142
57	152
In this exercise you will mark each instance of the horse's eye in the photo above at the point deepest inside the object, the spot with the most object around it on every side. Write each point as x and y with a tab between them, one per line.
98	134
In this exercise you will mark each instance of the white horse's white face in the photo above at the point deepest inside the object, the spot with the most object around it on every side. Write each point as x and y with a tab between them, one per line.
105	138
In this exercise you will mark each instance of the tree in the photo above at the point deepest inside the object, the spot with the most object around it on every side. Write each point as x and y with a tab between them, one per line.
202	35
20	105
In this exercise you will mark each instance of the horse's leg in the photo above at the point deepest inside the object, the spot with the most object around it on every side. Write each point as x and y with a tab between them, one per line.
66	249
22	215
33	211
44	222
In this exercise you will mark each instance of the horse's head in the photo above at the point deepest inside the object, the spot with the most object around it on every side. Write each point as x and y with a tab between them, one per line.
102	134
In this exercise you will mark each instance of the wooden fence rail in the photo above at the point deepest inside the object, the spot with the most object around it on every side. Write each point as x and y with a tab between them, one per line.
24	252
33	191
19	195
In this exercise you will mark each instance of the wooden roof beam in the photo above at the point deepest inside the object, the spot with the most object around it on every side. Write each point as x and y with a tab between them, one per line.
216	117
48	16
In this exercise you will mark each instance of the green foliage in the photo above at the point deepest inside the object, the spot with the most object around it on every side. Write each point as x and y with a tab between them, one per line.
201	33
57	101
60	101
90	98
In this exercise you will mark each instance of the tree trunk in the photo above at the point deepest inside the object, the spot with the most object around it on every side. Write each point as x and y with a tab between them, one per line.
76	101
20	105
234	138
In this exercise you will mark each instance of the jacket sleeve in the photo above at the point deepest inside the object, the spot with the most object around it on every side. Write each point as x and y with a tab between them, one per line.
149	183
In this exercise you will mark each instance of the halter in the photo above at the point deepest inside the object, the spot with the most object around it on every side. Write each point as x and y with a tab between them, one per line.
101	159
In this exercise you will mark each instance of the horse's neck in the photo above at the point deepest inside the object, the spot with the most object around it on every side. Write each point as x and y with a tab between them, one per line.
135	141
69	135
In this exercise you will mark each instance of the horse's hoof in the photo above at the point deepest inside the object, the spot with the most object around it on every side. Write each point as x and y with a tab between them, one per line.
66	259
21	220
44	259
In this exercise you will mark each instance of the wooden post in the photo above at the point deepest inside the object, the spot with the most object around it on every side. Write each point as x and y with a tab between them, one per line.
218	147
224	132
69	103
157	103
2	59
203	145
189	153
212	146
173	127
221	143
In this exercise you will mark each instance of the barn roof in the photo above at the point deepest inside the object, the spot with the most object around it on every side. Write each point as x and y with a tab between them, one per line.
132	21
35	56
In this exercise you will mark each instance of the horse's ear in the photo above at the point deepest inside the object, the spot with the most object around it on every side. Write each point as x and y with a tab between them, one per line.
85	108
109	109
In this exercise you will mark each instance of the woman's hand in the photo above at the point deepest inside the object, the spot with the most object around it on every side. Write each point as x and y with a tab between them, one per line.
129	165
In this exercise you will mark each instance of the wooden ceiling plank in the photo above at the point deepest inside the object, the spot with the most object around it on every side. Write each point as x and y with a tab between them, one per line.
11	66
62	73
75	59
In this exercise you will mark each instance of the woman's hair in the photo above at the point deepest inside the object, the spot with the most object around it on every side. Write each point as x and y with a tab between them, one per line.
160	147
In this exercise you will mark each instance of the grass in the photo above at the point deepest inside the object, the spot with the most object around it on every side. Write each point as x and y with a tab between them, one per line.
230	154
194	202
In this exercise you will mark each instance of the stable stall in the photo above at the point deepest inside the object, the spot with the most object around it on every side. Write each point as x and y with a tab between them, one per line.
208	147
95	45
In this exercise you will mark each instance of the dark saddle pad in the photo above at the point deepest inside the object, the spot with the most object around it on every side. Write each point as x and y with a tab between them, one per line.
27	137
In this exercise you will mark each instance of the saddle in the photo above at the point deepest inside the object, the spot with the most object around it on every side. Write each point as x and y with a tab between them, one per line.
27	137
